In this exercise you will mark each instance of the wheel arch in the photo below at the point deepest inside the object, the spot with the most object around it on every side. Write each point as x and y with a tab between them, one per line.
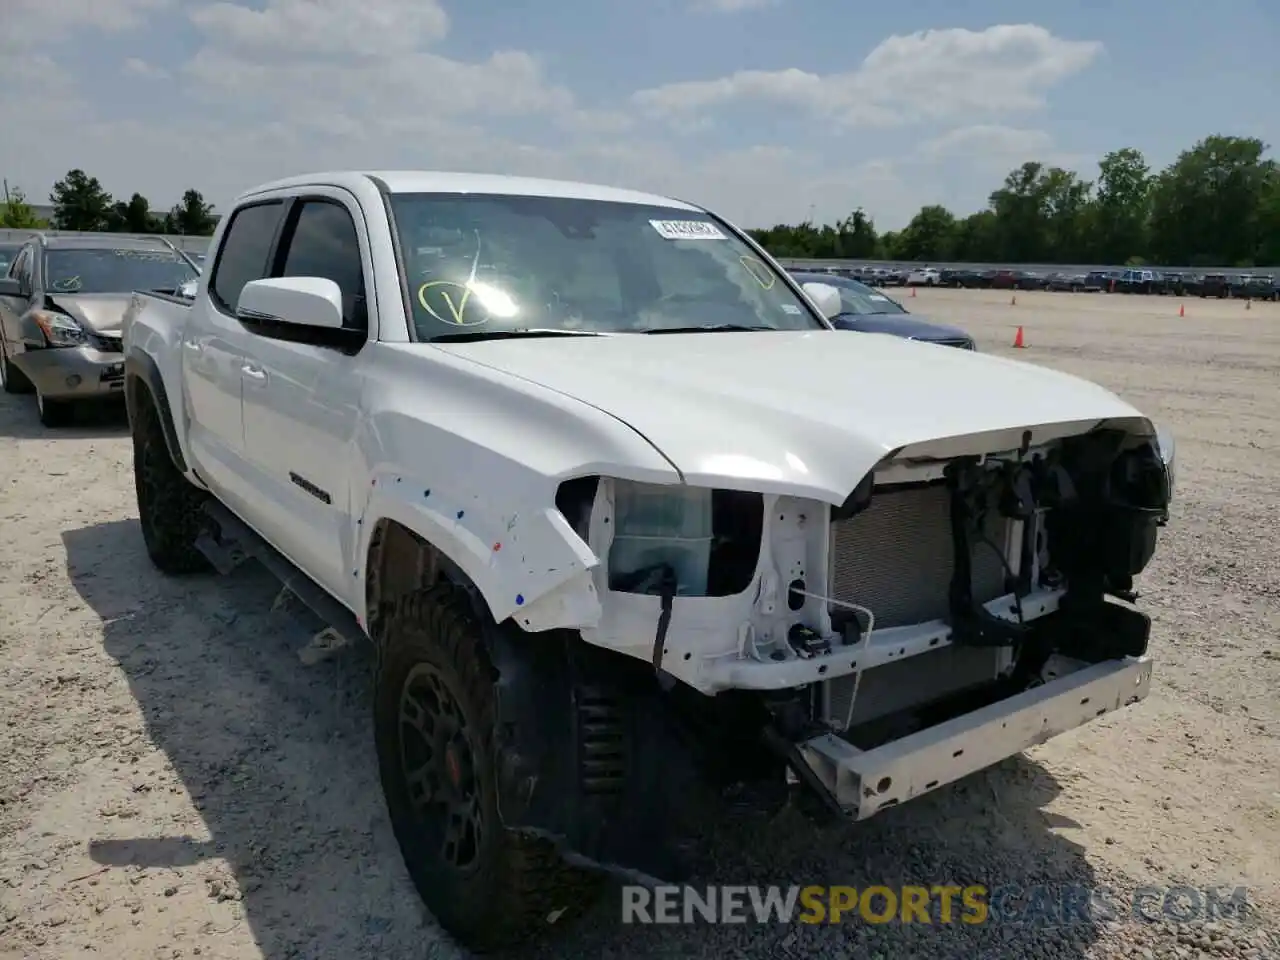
144	384
399	563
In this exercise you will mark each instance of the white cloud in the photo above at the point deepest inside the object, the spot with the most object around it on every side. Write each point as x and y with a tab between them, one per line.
135	67
995	150
733	6
988	140
928	75
301	83
285	28
27	21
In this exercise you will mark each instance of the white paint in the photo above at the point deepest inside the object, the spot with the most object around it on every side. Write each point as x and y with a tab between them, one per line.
467	443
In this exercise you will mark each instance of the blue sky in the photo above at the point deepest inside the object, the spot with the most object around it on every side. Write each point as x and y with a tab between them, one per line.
766	110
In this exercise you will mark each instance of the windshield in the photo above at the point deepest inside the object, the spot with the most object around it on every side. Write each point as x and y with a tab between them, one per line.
119	270
486	264
857	298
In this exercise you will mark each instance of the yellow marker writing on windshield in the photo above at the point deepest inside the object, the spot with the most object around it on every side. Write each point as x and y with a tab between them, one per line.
757	269
457	310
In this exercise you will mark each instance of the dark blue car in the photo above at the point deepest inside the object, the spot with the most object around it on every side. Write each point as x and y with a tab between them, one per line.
869	311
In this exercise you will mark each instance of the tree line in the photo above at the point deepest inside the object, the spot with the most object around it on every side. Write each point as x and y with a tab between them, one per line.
80	203
1217	204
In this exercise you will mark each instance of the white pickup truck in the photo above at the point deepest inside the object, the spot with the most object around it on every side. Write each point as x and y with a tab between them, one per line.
624	516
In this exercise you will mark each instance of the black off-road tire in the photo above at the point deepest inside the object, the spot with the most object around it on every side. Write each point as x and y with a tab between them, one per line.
169	506
517	888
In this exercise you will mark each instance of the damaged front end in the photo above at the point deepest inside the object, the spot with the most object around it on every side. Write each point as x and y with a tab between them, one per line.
959	606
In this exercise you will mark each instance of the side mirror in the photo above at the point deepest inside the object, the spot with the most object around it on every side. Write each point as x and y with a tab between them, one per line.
825	297
11	287
305	301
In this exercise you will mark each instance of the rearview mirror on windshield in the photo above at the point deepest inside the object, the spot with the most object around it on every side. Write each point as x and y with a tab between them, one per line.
825	297
305	301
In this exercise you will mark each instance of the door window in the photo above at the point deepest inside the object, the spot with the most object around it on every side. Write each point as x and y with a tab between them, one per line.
324	243
244	252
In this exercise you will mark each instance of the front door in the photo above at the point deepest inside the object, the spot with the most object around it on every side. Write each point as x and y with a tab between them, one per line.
302	401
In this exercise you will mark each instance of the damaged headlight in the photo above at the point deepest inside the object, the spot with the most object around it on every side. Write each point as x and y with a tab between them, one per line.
662	538
1165	447
60	330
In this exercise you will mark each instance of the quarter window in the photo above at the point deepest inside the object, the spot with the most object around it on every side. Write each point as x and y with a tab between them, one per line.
244	253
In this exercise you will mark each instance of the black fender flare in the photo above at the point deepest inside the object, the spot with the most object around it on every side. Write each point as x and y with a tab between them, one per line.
142	373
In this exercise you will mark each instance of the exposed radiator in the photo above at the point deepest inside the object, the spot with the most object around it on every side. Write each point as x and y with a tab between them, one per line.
896	557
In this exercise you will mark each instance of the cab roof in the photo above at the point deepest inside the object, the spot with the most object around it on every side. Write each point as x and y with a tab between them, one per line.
432	181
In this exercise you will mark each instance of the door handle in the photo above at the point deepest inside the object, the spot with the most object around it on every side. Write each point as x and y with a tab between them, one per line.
256	374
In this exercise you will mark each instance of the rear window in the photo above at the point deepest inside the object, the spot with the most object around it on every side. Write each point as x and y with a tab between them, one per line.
114	270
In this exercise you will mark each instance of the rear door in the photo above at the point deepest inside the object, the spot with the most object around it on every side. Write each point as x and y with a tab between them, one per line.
213	354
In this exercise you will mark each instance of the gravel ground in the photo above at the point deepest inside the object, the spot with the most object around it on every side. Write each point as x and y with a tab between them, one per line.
182	775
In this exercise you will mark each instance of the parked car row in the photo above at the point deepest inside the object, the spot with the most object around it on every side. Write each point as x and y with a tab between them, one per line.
1175	283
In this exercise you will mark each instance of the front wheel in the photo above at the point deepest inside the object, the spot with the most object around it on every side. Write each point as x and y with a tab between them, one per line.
434	715
54	413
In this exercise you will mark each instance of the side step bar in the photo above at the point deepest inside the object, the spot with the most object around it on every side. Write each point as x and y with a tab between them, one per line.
237	543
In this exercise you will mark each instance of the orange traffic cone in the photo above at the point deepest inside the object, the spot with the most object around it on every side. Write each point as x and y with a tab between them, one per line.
1018	341
1182	310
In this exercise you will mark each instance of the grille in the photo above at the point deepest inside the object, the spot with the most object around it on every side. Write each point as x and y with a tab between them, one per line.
896	557
110	344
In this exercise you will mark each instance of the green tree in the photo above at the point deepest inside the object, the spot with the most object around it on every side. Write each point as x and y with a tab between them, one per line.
1067	215
1207	204
1217	204
191	217
134	216
80	203
931	235
17	214
1122	208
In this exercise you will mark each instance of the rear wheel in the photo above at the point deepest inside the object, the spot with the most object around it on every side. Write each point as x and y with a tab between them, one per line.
169	506
434	715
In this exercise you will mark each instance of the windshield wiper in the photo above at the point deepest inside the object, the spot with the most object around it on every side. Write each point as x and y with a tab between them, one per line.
711	328
511	334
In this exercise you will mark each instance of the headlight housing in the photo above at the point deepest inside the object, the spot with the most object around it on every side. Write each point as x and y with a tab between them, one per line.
660	531
60	330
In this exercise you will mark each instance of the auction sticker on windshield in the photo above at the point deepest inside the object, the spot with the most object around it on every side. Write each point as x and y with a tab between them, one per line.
687	230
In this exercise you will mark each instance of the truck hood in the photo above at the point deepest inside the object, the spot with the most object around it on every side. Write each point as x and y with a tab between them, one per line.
806	413
100	312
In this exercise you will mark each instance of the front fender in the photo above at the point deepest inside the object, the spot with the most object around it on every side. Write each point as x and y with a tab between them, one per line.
515	557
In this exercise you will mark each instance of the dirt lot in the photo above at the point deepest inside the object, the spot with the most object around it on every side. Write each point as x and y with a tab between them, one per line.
180	775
